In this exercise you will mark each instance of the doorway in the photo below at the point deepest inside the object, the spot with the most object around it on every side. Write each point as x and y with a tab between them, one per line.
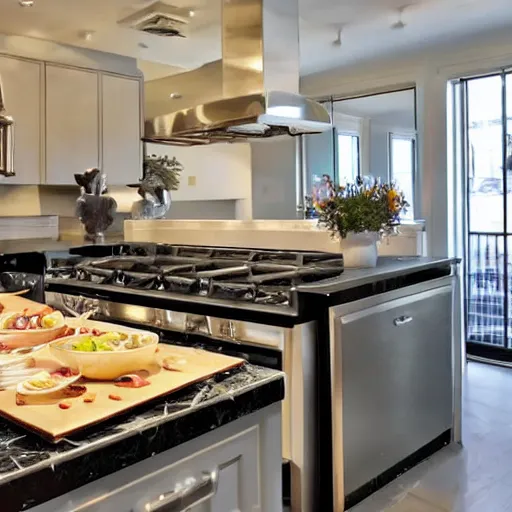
485	110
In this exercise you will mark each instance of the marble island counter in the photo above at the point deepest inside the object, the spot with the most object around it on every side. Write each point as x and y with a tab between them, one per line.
83	470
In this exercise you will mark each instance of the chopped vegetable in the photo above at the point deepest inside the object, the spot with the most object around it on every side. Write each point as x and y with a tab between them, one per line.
91	344
131	381
117	398
110	341
89	398
65	404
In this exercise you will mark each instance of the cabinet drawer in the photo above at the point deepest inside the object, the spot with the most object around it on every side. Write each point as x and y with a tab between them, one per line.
234	462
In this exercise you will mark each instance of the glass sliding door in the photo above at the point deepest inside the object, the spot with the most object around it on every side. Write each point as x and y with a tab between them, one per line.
487	141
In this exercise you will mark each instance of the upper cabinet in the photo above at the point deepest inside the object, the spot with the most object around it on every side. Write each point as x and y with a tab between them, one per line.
72	123
21	81
69	119
121	123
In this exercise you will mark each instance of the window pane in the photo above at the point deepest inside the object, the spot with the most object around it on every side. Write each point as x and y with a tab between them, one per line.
402	169
348	148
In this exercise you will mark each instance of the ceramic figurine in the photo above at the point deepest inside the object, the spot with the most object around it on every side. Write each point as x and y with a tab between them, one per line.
161	175
95	210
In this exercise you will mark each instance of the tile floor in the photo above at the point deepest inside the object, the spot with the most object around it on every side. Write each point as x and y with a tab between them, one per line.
477	478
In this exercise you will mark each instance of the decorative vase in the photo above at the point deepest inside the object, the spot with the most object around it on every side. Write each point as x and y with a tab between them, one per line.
360	250
161	175
149	208
94	209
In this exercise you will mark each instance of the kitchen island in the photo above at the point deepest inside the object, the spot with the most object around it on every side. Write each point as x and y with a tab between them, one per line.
360	347
228	427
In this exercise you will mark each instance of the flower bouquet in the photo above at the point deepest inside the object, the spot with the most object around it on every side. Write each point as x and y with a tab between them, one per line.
359	214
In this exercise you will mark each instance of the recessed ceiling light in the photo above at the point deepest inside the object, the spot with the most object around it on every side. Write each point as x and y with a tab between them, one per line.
26	3
191	13
175	96
87	35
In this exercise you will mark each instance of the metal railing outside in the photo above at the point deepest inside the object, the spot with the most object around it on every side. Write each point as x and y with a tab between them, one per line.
487	290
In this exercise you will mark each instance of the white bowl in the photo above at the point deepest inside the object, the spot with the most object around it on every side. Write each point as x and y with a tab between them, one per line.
11	338
106	365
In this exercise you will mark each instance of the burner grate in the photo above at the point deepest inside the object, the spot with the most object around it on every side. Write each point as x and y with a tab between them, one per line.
264	277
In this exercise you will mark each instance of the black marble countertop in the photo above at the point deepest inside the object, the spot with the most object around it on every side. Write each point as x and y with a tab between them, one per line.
48	245
33	471
388	267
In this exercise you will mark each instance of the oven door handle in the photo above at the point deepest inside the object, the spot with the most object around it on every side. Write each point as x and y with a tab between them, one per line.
185	496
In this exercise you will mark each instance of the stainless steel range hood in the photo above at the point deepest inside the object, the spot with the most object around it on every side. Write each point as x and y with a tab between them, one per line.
253	92
6	139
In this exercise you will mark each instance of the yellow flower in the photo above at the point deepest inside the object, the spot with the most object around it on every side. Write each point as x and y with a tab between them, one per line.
393	200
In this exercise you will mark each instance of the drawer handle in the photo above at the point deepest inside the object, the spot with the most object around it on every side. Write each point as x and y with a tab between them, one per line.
402	320
187	495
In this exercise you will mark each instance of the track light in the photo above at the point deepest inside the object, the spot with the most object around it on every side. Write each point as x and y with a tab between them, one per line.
338	42
399	24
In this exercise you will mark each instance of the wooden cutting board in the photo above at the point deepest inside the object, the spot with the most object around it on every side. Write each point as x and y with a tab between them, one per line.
45	417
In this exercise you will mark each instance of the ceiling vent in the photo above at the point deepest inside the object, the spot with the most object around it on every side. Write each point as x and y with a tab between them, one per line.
159	19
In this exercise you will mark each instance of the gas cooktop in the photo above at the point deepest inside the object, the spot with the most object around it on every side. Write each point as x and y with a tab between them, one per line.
234	275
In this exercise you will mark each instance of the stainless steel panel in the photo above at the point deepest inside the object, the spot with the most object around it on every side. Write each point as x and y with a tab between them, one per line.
392	380
259	74
397	381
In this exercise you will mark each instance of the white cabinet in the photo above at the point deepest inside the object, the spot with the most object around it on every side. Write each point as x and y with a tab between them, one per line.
21	81
122	148
245	455
72	123
68	120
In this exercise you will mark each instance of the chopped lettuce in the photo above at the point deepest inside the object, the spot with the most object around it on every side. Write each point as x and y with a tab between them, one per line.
92	344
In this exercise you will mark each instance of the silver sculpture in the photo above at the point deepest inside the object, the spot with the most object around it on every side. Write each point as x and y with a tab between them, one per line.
161	175
95	210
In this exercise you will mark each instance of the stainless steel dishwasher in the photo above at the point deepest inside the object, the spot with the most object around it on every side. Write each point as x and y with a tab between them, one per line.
392	380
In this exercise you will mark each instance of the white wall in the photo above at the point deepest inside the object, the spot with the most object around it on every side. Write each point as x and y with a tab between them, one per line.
213	173
430	72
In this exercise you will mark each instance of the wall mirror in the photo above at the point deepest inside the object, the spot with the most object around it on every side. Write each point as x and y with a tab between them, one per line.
376	136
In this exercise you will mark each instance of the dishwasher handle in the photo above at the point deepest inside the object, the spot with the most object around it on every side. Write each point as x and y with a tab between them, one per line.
402	320
185	496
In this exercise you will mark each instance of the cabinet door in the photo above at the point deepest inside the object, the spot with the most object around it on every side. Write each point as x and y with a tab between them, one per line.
21	81
121	129
396	370
72	127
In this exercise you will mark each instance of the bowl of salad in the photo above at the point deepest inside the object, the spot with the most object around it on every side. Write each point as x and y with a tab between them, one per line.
106	354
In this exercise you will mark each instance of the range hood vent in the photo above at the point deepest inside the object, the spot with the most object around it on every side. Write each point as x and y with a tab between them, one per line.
158	19
253	92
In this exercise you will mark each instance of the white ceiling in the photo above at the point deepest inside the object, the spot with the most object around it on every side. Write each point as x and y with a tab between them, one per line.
366	27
